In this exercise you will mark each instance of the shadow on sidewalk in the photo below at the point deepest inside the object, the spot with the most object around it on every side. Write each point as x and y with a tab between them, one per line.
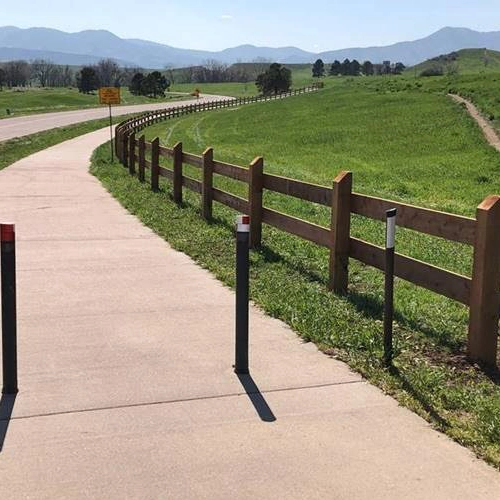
6	408
257	399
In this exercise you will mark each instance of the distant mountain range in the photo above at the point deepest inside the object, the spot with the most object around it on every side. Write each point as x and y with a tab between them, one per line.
86	47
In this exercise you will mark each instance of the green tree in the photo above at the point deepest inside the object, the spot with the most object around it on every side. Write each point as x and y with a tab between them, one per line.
155	84
135	86
318	69
276	79
354	68
345	67
87	80
399	68
367	68
335	68
3	78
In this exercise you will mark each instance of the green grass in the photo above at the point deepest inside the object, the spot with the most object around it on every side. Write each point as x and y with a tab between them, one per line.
466	61
232	89
408	145
44	100
482	89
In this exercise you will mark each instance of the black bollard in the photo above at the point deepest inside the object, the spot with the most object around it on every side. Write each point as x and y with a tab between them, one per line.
242	276
9	327
389	284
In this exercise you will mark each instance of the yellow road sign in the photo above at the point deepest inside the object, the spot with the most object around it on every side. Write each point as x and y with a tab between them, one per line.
109	95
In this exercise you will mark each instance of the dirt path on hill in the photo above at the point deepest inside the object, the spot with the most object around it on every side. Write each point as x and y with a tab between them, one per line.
489	132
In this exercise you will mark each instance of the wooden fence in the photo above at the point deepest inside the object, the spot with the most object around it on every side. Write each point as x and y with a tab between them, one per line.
481	292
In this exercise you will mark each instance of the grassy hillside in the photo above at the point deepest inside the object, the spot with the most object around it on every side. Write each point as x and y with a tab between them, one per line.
482	89
360	127
464	61
45	100
403	144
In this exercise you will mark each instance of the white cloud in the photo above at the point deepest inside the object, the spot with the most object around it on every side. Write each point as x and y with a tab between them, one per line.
226	17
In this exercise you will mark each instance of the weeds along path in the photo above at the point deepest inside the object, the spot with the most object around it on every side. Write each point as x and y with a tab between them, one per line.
489	132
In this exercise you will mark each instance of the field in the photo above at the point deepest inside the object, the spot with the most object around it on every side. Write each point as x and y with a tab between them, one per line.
229	89
44	100
301	76
402	141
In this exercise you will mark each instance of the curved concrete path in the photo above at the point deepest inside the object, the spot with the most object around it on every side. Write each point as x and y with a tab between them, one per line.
25	125
127	389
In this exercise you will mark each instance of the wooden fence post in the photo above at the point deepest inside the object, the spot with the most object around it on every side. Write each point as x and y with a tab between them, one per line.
142	158
131	154
207	184
125	149
485	287
255	186
155	164
340	232
178	173
117	143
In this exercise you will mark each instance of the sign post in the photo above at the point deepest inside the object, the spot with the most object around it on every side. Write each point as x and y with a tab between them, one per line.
109	96
389	284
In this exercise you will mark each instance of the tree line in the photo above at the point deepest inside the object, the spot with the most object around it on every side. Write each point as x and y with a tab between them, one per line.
106	73
20	73
212	71
355	68
45	73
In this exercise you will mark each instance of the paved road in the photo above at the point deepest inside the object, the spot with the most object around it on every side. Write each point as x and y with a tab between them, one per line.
25	125
126	383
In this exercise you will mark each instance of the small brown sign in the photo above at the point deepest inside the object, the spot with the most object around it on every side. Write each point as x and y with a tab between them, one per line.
109	95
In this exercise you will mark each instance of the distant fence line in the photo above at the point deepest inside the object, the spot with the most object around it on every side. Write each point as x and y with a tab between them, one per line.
481	293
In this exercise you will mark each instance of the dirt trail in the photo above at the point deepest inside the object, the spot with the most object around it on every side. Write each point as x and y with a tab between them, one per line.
488	131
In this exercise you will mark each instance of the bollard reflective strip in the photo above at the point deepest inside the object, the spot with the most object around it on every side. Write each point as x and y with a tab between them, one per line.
390	241
243	223
7	232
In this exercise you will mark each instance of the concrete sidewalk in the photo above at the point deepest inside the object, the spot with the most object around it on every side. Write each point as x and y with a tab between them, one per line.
127	389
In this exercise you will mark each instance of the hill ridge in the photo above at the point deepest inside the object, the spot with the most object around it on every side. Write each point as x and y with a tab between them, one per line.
98	43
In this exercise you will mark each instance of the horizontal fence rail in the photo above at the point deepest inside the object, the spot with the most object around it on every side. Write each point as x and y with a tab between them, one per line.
481	293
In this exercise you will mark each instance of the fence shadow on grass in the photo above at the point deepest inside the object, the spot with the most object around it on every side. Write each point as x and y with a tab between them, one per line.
421	398
368	305
259	403
6	409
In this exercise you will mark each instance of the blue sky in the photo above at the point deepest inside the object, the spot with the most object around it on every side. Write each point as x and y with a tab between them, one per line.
216	24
